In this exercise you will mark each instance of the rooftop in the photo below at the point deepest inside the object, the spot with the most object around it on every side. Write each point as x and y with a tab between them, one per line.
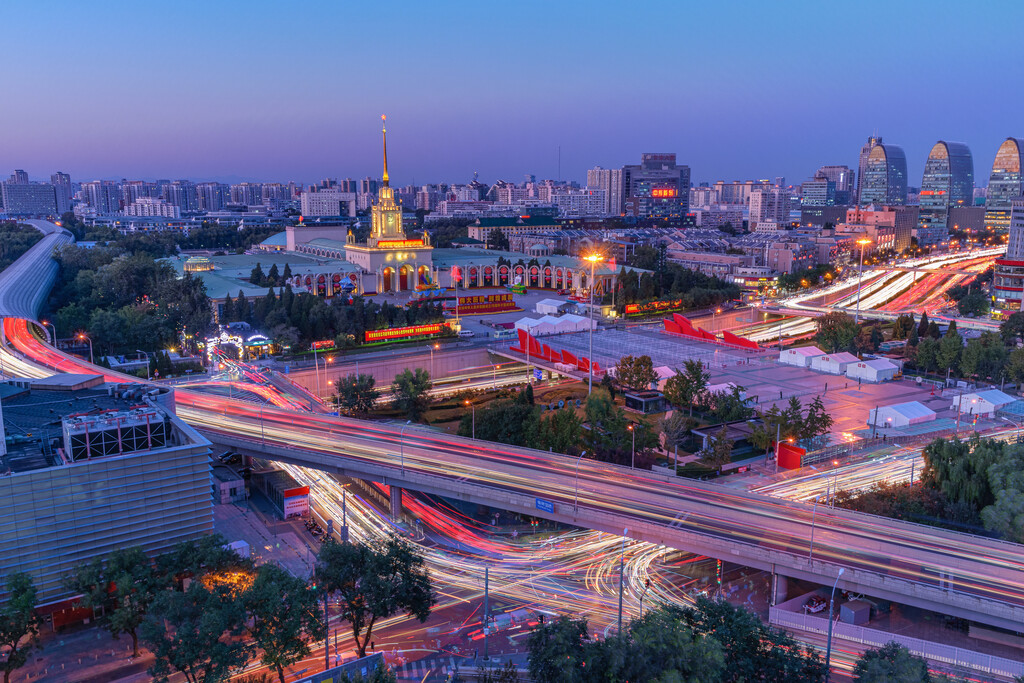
910	409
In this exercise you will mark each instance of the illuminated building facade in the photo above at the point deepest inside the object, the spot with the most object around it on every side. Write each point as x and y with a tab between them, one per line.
657	188
1005	184
948	181
1008	282
885	176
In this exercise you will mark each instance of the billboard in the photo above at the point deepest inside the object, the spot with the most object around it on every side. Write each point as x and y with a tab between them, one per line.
403	332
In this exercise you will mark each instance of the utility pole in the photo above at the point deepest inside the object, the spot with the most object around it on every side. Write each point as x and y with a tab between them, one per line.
622	573
487	595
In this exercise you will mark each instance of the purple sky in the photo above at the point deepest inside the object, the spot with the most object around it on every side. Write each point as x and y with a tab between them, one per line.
294	91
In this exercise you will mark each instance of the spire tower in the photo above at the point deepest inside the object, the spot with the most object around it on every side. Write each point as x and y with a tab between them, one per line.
384	132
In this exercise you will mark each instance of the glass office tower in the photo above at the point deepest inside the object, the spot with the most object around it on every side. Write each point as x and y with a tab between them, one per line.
885	177
1004	184
948	181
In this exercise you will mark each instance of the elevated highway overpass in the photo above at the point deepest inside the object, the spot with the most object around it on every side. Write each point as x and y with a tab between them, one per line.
958	574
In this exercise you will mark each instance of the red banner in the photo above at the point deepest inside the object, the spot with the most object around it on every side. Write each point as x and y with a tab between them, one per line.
401	332
653	307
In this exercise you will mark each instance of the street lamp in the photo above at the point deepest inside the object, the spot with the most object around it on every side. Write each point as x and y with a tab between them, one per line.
835	481
432	347
576	496
632	461
473	407
810	555
316	371
593	258
52	327
647	586
831	605
82	336
860	275
717	311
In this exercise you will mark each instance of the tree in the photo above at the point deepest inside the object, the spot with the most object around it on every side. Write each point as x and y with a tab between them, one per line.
719	450
556	650
636	372
688	387
257	277
754	651
375	582
287	274
983	357
285	612
975	303
273	276
1015	366
506	674
674	429
496	239
19	624
356	394
123	586
410	391
562	431
195	632
1012	329
836	332
927	354
891	662
730	406
922	327
817	422
516	423
913	338
950	348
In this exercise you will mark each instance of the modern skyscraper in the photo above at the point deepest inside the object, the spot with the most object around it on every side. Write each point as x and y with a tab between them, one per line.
843	177
609	180
1005	183
102	195
948	181
884	181
250	194
182	194
657	188
862	164
19	177
211	196
769	205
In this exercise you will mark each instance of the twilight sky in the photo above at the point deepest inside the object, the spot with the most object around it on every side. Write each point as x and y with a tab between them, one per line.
270	90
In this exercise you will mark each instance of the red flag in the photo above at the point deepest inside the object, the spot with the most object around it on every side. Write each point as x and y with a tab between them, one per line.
456	274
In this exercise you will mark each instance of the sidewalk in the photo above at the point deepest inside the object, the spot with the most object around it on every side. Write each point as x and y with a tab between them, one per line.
286	543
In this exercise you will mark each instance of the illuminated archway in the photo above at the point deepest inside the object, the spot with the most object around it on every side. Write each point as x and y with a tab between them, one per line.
387	279
404	277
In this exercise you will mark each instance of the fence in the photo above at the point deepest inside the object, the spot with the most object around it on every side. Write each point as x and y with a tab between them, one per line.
947	654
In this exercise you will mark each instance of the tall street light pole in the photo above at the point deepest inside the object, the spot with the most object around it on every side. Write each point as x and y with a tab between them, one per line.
473	407
632	453
593	258
316	370
84	337
810	555
576	496
53	339
828	647
860	275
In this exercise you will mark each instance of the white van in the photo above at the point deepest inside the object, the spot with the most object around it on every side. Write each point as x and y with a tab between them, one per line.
466	334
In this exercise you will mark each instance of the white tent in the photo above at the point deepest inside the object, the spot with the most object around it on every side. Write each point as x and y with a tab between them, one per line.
551	306
664	372
538	328
901	415
833	363
877	370
982	402
801	357
579	323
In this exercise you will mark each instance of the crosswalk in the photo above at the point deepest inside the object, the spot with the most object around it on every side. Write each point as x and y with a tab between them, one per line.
436	668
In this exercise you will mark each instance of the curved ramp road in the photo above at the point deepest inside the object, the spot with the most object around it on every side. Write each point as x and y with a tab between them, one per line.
25	284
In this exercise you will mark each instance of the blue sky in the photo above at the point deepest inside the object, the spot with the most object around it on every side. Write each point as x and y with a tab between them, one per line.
294	91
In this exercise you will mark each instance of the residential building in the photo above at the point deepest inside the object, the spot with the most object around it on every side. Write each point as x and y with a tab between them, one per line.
948	181
718	215
328	203
769	205
787	256
182	194
885	177
62	191
609	180
820	215
1004	184
657	188
712	264
19	177
705	195
903	220
212	196
481	228
249	194
102	195
576	202
28	199
108	470
132	190
151	206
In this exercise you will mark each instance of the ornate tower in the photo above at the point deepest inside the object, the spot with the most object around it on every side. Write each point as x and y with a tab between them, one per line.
386	214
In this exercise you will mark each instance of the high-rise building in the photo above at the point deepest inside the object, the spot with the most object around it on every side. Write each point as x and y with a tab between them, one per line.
843	177
885	177
28	199
328	203
19	177
1005	183
250	194
769	205
609	180
211	196
657	188
368	186
62	191
1008	281
151	206
133	190
818	192
102	195
948	181
182	194
862	164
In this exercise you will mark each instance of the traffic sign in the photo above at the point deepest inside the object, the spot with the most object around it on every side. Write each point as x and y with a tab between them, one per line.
538	374
545	505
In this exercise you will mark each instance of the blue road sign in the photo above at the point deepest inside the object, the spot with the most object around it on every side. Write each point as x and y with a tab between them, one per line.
545	505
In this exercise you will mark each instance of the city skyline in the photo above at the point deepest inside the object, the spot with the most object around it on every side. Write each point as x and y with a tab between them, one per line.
243	102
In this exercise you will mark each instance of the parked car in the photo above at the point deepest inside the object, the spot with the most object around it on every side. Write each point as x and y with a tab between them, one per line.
815	604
